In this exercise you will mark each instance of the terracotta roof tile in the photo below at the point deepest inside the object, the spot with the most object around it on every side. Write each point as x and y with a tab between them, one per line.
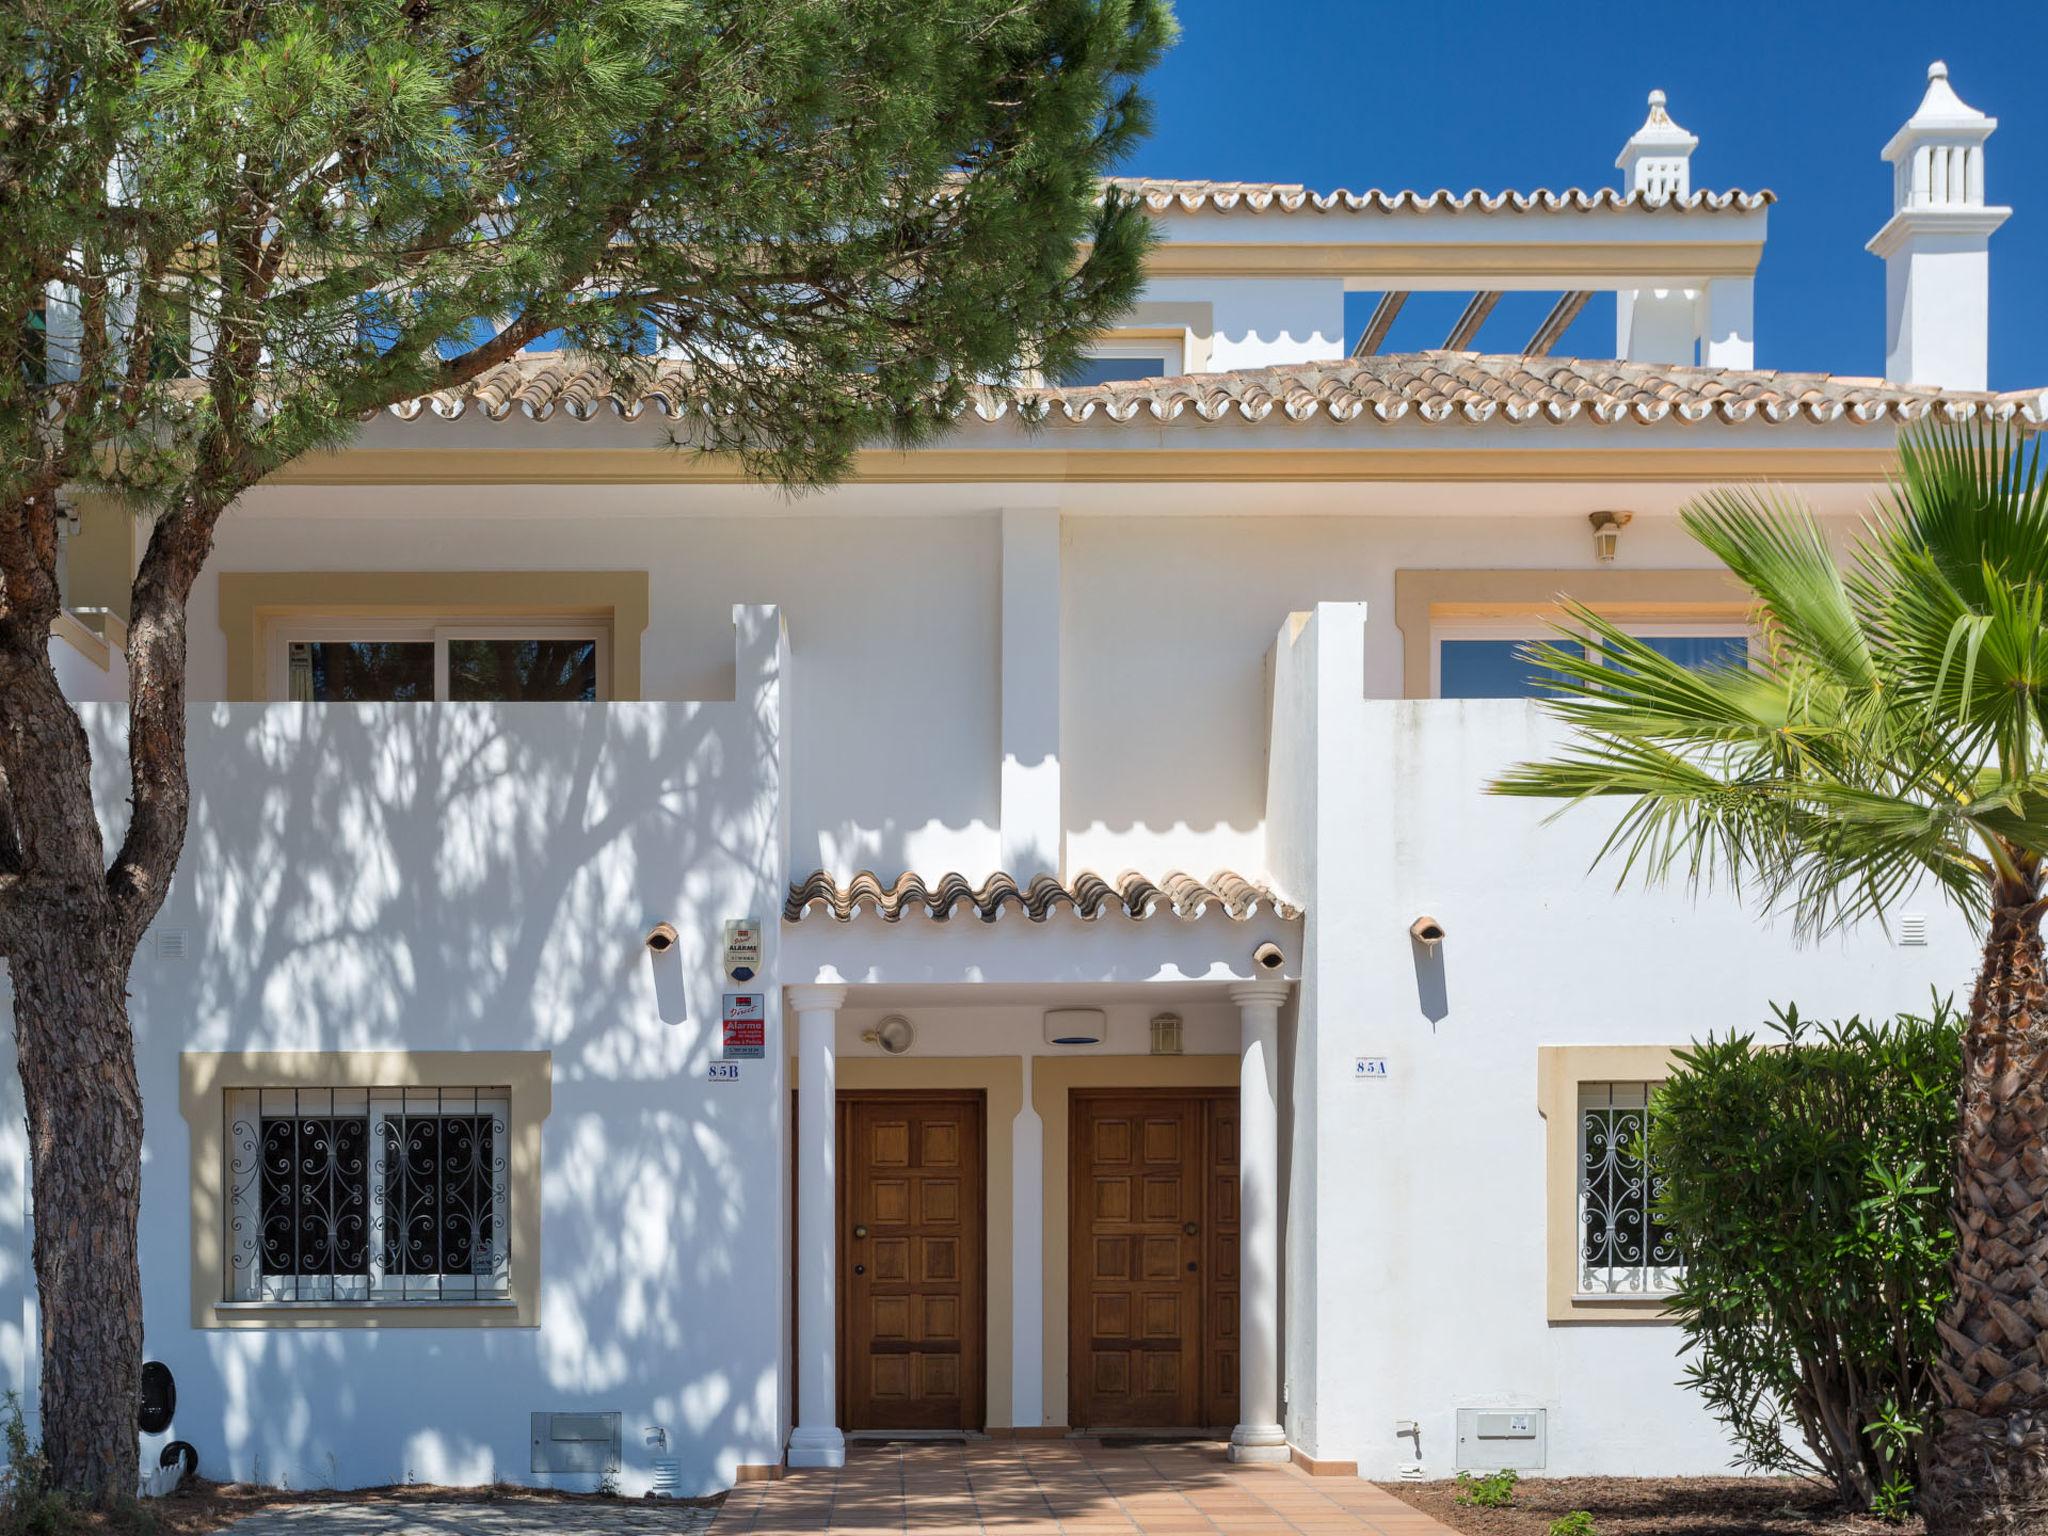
1170	196
1088	896
1411	388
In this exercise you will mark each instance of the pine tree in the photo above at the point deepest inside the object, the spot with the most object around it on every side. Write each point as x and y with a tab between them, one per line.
229	232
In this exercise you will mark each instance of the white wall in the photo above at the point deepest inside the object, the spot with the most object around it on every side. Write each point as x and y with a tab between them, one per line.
1168	621
1262	322
480	877
1428	1188
82	677
893	628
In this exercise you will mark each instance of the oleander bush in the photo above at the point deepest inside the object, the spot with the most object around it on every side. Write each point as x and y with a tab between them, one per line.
1805	1176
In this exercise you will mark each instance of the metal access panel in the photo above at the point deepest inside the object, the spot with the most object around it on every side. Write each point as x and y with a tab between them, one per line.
576	1442
1490	1439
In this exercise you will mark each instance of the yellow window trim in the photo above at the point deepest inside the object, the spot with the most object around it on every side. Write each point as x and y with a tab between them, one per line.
250	601
1422	599
204	1081
1560	1069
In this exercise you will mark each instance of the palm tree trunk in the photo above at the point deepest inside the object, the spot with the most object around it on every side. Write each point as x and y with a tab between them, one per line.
1987	1465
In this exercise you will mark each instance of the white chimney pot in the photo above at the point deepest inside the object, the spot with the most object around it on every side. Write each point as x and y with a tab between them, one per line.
1936	246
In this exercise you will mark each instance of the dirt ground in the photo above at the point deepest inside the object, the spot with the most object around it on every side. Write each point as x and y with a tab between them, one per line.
203	1507
1649	1506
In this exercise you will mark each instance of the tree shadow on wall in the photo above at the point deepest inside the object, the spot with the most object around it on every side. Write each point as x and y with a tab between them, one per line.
479	877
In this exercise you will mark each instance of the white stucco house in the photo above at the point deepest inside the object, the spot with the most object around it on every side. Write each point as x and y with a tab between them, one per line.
1139	1017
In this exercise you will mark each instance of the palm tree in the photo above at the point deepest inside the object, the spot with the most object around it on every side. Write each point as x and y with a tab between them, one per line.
1889	733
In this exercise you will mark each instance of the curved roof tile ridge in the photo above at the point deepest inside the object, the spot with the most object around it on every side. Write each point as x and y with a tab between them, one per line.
1429	386
1087	895
1170	195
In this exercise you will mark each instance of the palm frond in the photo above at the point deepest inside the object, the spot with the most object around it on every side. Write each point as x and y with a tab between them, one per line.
1892	731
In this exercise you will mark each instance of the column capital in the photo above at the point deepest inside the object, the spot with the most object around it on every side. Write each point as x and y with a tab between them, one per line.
817	996
1253	994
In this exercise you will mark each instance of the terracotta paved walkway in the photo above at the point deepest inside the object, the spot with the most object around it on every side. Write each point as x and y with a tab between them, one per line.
1042	1487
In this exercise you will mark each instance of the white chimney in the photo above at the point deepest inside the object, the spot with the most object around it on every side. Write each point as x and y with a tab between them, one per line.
1657	159
1937	244
1676	325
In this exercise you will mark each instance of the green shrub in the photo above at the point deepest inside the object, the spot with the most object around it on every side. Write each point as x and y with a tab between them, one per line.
1578	1523
1806	1182
1496	1490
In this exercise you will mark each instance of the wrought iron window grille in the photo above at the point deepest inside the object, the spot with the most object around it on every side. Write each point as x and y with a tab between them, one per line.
1623	1248
369	1196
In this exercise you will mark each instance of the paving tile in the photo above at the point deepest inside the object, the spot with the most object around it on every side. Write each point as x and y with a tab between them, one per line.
1040	1488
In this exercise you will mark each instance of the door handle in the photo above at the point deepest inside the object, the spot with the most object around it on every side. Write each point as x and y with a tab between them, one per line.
1191	1228
860	1231
861	1269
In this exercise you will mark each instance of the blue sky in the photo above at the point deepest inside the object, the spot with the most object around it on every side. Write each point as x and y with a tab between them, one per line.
1798	98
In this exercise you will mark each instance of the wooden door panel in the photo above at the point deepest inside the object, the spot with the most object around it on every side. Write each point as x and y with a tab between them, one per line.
911	1349
1135	1358
1153	1271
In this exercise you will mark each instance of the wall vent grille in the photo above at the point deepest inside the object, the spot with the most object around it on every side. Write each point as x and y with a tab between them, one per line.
170	944
1913	928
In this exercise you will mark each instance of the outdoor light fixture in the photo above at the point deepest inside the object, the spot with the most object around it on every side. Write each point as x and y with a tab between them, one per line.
893	1034
1607	528
1165	1034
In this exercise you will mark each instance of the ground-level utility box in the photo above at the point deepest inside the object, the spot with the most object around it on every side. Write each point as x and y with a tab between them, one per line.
1492	1438
576	1442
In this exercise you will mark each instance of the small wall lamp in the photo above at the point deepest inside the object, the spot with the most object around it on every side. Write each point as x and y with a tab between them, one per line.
1607	528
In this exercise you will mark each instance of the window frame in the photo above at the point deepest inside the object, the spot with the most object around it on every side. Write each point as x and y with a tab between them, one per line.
250	603
1535	625
204	1081
1562	1072
282	634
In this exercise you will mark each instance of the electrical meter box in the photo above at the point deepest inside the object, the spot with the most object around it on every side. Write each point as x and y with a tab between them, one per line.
575	1442
1490	1439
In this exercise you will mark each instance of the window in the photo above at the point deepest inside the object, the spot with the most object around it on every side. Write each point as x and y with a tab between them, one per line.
399	661
369	1195
1485	660
1623	1248
1119	356
1605	1257
1489	669
1097	369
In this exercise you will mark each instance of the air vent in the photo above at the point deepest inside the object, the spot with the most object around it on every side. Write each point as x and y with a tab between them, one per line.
1912	927
170	944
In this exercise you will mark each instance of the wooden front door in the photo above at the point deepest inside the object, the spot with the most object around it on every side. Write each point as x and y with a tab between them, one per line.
911	1330
1152	1312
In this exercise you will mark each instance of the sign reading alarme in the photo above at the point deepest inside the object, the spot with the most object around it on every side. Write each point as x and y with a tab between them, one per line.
745	1028
742	949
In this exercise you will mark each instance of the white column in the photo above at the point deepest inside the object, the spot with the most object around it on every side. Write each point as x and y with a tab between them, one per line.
1728	323
1259	1435
1027	1264
816	1440
1031	821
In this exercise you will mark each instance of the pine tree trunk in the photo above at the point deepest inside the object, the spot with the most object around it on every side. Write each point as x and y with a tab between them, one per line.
85	1147
1986	1467
68	953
